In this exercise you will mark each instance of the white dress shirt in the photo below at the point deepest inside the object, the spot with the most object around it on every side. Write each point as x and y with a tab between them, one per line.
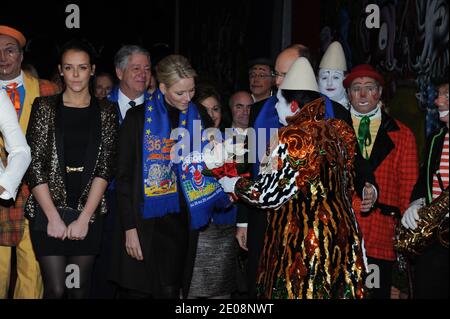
19	155
124	101
18	80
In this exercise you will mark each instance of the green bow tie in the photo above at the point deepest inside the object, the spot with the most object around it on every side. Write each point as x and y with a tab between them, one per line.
364	138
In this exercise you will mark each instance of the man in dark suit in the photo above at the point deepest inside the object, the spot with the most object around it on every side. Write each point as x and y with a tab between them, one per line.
252	222
133	68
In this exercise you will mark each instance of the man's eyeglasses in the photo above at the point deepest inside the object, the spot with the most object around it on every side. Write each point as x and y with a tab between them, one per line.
259	76
276	74
11	52
371	89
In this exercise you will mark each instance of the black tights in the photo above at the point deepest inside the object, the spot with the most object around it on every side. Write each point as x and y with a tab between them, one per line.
53	269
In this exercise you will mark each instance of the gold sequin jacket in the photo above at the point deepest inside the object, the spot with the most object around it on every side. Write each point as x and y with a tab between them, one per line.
312	247
45	137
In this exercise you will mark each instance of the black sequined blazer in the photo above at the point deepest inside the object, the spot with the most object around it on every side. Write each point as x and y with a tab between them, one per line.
46	140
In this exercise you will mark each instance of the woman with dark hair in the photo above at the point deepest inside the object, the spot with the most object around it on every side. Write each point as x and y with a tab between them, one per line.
208	100
72	137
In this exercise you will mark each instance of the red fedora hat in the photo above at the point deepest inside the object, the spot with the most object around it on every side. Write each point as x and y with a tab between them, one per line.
363	70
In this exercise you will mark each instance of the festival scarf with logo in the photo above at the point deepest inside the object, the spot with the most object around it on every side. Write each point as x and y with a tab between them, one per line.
203	194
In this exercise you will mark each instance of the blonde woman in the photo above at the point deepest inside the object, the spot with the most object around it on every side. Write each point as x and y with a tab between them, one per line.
161	195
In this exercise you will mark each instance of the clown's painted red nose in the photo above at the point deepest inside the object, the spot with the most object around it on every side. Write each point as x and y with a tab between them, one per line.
294	106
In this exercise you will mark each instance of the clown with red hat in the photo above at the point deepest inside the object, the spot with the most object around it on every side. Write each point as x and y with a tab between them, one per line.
390	148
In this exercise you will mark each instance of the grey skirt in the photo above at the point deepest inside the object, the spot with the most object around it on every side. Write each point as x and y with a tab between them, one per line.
214	271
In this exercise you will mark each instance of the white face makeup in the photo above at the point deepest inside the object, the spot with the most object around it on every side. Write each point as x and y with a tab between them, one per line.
330	84
283	108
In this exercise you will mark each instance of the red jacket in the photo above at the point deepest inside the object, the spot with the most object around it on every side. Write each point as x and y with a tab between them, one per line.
395	165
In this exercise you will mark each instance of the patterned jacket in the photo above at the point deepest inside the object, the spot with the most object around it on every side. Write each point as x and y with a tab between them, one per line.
12	212
312	245
45	137
394	162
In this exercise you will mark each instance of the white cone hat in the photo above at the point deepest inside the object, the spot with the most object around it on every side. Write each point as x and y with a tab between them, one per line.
334	58
300	77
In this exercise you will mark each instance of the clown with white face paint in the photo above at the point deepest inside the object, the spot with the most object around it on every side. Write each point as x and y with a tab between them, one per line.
306	173
301	78
331	74
330	84
283	108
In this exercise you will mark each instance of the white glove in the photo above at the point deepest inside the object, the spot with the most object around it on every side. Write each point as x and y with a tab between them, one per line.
410	217
228	183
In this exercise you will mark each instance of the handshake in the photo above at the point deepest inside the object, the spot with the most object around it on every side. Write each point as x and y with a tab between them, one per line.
224	161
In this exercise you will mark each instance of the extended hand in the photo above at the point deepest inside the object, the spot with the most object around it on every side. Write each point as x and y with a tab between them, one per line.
228	183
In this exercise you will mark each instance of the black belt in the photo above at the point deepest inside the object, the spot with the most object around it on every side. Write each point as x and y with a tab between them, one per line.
389	210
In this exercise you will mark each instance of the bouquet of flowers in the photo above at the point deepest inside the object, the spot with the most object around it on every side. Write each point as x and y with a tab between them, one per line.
221	160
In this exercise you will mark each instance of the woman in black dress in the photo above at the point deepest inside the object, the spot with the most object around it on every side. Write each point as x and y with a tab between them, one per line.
72	138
